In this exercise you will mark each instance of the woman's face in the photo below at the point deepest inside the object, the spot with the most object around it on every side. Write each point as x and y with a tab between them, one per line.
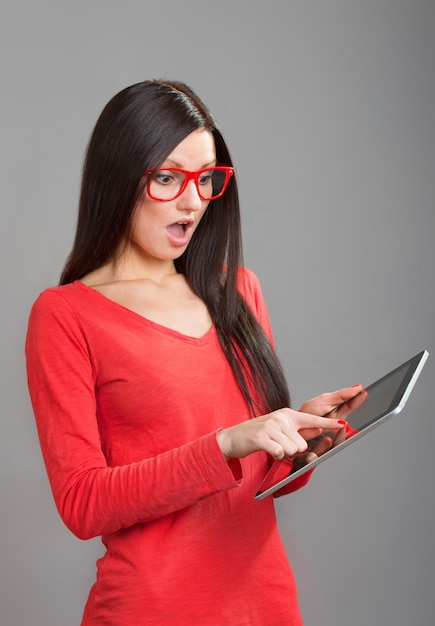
161	231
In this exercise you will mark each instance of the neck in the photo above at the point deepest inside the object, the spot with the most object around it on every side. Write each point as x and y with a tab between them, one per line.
129	266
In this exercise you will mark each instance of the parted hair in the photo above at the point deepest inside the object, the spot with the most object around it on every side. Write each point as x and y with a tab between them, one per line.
138	128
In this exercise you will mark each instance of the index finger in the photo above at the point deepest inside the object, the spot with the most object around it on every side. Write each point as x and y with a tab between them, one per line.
307	421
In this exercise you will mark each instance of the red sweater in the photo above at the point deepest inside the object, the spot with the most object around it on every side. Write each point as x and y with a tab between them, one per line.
127	413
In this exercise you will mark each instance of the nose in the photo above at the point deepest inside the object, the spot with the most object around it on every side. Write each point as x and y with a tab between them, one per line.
190	198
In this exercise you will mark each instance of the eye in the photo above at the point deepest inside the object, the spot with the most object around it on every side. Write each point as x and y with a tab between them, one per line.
164	177
205	178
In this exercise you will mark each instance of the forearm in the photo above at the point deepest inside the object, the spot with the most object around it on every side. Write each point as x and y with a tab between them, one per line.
103	500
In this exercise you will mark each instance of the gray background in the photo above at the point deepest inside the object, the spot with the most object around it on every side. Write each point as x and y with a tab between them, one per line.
329	110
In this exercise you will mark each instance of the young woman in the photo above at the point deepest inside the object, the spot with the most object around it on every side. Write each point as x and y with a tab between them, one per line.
159	399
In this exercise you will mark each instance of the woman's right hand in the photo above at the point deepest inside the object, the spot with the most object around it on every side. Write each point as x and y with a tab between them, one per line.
281	433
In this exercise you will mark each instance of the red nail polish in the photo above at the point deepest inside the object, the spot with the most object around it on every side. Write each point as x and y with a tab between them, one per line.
341	422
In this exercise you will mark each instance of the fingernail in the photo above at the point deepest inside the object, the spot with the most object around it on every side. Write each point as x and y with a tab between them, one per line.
341	422
357	385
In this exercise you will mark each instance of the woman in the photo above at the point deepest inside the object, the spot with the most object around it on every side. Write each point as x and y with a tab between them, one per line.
158	396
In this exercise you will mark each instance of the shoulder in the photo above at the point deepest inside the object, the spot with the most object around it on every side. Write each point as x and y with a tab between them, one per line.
247	280
250	289
59	292
53	327
249	286
58	308
56	299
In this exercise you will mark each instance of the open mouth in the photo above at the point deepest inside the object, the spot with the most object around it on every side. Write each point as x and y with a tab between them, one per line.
178	229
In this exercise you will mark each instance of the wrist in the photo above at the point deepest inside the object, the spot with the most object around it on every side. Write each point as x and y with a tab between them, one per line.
221	441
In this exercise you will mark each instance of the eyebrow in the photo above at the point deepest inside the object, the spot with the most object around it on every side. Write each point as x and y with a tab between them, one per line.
176	164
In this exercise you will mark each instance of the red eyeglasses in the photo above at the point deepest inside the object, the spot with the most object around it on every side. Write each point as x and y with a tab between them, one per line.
167	184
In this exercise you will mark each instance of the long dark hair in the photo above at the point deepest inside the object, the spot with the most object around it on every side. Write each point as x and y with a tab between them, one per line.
138	129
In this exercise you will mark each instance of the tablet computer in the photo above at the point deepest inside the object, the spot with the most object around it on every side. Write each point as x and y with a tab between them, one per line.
370	408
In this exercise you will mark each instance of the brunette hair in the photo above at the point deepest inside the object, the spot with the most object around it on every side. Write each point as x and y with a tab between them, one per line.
137	130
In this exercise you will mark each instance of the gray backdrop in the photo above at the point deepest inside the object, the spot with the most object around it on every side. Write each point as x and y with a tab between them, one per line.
329	110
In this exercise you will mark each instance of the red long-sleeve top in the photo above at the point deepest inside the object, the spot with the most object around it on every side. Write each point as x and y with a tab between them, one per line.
127	412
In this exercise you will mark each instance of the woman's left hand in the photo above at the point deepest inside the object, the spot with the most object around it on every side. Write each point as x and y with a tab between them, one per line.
321	405
348	397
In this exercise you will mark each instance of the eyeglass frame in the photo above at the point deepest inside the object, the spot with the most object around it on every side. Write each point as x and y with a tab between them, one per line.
188	176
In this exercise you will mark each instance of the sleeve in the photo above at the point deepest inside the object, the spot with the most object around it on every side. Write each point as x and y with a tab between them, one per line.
92	498
296	484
